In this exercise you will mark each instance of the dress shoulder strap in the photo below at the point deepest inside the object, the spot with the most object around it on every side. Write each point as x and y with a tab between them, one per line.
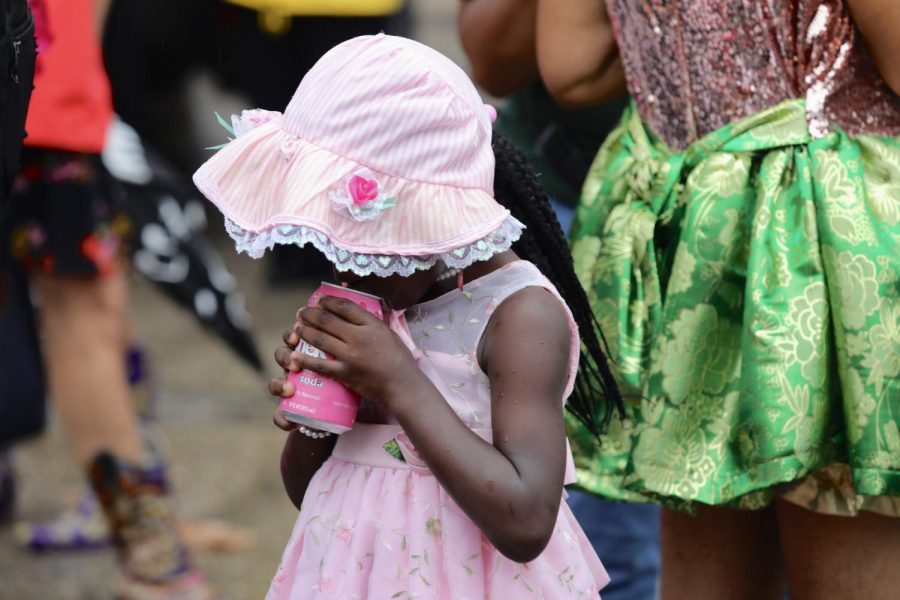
512	278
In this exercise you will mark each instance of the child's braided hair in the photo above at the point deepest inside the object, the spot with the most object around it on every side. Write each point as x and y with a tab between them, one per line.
544	244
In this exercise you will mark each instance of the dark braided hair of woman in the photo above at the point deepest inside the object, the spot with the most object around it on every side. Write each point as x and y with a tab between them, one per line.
544	244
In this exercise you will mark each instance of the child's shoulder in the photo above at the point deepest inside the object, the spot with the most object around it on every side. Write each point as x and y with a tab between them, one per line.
512	278
519	273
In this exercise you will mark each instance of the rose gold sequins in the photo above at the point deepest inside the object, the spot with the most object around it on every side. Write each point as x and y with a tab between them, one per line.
696	65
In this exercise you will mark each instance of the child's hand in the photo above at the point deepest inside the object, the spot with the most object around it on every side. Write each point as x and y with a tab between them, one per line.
281	422
280	387
369	358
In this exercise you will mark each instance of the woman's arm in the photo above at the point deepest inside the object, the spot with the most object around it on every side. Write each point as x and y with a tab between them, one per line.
879	22
577	53
499	39
511	489
101	10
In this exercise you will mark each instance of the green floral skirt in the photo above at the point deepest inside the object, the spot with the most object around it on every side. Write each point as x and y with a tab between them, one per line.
749	290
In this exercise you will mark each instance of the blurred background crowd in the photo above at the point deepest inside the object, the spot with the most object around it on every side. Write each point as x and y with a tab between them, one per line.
137	95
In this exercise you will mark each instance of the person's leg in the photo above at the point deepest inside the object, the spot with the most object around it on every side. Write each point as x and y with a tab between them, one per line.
84	341
721	553
839	557
82	525
626	538
70	239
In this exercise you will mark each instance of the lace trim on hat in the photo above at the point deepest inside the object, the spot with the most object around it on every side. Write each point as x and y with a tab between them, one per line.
382	265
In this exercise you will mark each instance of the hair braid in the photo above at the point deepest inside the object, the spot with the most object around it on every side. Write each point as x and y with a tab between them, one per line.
544	244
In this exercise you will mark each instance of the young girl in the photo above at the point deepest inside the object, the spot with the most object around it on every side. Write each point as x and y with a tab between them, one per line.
383	161
740	239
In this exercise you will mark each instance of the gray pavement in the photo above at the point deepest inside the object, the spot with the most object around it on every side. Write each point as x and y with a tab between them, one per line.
217	418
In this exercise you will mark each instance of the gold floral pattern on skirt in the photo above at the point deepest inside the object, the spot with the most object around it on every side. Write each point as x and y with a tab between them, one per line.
749	289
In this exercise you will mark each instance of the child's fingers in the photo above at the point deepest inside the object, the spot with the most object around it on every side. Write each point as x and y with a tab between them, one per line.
284	358
291	337
281	422
281	387
328	322
323	366
325	342
347	310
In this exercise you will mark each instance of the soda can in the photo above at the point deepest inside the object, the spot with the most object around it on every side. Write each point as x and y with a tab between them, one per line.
321	402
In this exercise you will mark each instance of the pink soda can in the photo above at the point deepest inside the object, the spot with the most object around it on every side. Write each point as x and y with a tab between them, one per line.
321	402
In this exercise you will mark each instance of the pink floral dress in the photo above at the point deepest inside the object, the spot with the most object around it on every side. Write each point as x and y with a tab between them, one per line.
376	524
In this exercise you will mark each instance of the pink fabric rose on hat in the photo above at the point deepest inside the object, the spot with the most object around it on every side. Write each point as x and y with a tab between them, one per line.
362	190
361	197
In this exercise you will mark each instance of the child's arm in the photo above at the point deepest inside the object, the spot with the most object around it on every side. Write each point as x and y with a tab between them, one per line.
511	489
499	39
302	455
300	459
577	53
879	22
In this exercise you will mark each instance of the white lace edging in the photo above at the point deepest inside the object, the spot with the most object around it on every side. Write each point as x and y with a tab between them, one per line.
382	265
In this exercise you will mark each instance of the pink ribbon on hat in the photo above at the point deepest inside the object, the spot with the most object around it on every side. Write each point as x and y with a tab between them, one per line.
491	112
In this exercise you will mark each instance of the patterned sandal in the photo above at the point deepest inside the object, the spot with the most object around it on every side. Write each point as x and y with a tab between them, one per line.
83	526
155	562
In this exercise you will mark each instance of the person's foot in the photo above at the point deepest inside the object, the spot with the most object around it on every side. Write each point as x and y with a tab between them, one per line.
81	527
154	559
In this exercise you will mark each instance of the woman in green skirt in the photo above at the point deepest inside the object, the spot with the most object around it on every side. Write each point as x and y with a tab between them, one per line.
739	236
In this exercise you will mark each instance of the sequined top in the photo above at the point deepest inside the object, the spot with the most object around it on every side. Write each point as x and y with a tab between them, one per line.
695	65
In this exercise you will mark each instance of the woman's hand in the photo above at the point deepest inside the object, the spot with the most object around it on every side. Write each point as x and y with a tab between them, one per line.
369	358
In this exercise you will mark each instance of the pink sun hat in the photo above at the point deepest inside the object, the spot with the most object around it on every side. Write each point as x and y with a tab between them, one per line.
382	161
